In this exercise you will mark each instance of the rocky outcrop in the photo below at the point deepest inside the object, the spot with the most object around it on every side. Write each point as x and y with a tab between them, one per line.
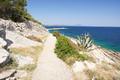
2	43
19	36
8	75
17	40
27	28
20	74
13	74
4	57
79	66
23	60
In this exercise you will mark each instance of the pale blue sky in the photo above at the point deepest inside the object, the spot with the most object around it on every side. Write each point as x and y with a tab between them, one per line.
76	12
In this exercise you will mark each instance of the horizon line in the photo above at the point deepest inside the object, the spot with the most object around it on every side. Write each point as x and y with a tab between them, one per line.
81	26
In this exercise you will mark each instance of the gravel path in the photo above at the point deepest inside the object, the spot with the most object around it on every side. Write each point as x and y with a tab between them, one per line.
50	67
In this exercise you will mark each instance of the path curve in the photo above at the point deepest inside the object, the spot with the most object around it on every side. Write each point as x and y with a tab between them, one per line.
50	67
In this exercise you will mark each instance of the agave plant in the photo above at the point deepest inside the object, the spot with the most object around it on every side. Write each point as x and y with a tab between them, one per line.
84	41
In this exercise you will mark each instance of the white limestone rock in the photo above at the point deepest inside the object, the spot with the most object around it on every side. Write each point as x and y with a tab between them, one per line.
23	60
2	43
26	28
78	66
7	74
19	41
4	56
21	74
90	65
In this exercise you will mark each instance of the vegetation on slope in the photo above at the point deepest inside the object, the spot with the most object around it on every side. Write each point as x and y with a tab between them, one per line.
66	50
14	10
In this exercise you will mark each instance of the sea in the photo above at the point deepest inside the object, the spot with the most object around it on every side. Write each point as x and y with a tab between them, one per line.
106	37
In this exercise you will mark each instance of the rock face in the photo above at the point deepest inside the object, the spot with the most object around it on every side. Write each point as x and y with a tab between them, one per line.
2	43
79	66
4	56
7	75
20	74
27	28
23	60
19	41
15	35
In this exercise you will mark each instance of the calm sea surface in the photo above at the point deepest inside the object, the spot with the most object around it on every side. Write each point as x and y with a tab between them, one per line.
107	37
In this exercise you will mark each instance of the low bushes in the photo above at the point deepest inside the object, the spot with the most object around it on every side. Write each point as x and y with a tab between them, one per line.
56	34
65	50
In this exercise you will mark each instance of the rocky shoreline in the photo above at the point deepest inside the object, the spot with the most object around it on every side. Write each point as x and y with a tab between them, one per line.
102	58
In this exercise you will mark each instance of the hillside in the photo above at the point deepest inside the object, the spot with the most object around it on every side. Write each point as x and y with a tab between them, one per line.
20	46
28	51
21	40
87	60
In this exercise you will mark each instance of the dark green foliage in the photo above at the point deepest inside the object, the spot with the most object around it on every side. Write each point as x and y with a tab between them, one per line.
14	10
67	52
56	34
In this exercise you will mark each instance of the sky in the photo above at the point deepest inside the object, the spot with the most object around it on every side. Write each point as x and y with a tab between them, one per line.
76	12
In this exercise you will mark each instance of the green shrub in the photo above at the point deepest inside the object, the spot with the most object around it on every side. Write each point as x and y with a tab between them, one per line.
67	52
15	10
56	34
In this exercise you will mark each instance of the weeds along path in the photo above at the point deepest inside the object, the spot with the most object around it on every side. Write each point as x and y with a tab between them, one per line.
49	66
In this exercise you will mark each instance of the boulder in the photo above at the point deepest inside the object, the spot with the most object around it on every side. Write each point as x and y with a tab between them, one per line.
18	40
23	60
21	74
78	66
7	74
2	43
4	56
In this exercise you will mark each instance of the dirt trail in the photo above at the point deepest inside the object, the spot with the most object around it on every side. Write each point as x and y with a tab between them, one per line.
50	67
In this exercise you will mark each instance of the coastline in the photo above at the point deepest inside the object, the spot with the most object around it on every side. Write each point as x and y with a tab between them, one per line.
101	53
108	39
99	62
56	28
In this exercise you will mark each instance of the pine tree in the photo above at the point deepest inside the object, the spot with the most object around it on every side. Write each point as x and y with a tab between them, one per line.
14	10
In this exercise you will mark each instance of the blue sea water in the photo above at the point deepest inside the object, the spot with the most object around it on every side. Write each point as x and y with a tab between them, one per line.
107	37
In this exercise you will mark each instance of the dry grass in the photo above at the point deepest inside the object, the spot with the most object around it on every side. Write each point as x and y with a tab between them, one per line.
28	77
25	78
103	72
116	66
29	67
80	76
33	51
38	38
89	73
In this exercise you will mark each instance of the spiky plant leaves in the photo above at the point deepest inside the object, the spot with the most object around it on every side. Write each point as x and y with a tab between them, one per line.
84	41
